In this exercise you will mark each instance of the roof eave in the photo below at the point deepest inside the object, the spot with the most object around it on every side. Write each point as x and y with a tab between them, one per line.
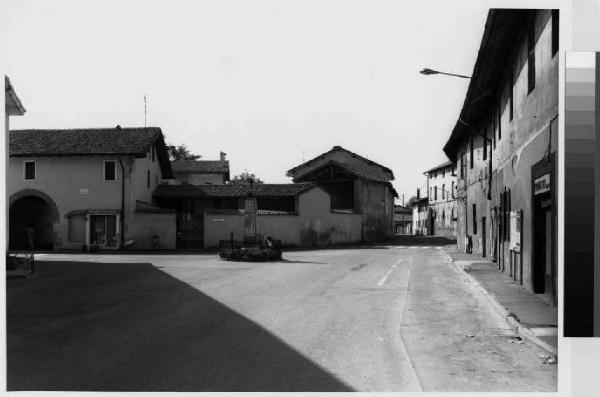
13	105
502	29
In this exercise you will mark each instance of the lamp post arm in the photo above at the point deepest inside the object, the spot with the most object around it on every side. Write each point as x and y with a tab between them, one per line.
453	74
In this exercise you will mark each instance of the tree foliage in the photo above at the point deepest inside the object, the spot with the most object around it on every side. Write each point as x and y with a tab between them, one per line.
181	152
411	200
246	177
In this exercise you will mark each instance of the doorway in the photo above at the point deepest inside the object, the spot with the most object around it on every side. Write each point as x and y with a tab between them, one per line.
483	232
103	231
543	266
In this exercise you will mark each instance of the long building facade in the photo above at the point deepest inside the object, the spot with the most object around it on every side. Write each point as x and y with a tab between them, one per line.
442	214
505	145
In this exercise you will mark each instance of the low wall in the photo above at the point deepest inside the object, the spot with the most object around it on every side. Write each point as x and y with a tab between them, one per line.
143	226
313	225
292	230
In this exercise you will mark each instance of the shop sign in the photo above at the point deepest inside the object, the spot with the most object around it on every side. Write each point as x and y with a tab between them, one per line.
515	231
541	184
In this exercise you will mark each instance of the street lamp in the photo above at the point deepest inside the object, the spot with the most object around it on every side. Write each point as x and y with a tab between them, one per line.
427	72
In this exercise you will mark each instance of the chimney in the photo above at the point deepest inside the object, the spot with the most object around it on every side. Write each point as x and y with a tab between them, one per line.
418	194
223	154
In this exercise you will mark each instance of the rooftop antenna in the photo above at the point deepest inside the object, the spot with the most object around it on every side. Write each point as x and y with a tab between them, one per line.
144	110
303	156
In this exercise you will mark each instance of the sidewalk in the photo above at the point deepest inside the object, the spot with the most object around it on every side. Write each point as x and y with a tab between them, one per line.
528	314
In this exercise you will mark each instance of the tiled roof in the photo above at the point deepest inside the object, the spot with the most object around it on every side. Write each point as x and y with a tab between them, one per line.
201	166
233	190
86	141
502	32
90	142
439	167
383	174
13	104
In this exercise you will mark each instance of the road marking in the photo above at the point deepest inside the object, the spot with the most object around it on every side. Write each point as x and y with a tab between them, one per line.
413	370
438	248
384	279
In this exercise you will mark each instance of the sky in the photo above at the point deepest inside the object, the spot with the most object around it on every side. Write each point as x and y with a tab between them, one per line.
270	83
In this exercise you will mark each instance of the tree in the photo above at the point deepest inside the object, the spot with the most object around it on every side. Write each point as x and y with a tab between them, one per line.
411	200
245	177
181	152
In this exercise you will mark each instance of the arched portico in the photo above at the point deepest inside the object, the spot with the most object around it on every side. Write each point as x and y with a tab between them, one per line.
32	208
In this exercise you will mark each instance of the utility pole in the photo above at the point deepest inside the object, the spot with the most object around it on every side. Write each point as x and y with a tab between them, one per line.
145	110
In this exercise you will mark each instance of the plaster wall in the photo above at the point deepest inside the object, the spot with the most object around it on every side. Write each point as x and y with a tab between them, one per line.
443	204
519	143
200	179
444	216
77	183
377	208
139	182
143	226
313	225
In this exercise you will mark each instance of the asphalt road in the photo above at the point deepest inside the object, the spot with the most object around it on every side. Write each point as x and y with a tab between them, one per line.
372	319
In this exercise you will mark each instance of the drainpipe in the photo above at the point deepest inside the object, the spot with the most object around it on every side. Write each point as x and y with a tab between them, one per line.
122	222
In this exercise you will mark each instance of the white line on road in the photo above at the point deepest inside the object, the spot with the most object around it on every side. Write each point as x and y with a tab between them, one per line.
384	279
413	371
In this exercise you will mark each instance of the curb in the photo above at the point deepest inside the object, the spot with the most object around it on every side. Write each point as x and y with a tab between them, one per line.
510	319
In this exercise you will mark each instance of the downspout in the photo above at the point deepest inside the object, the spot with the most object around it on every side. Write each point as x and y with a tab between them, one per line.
122	222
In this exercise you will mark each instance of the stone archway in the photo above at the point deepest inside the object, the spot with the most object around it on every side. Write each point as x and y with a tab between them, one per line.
32	208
